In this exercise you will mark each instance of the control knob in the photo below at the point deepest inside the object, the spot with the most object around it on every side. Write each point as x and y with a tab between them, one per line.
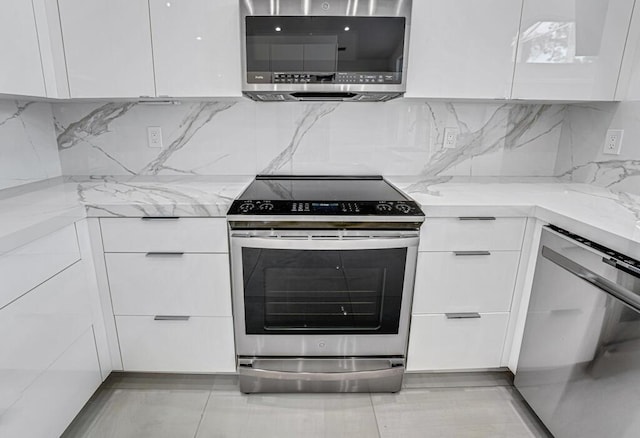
247	206
384	207
267	206
404	208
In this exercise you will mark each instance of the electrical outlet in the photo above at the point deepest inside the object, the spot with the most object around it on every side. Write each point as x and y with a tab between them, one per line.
154	137
450	138
613	142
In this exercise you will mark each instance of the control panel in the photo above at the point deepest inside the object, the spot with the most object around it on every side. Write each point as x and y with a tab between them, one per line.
328	208
324	78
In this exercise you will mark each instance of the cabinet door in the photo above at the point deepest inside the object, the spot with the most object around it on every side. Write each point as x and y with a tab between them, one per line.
107	45
462	48
570	49
21	71
196	47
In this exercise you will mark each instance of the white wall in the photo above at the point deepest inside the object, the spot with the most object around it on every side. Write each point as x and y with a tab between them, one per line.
28	148
242	137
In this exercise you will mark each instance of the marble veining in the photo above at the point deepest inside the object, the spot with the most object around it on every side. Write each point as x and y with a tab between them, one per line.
28	150
240	137
310	115
580	155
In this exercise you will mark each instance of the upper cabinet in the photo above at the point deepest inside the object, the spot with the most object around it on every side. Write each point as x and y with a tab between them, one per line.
196	47
108	47
462	48
629	82
21	71
570	49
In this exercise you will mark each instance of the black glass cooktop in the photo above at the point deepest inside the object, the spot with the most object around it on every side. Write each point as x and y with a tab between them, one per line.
323	195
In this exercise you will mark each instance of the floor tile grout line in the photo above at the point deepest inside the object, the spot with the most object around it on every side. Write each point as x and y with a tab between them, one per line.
204	410
375	417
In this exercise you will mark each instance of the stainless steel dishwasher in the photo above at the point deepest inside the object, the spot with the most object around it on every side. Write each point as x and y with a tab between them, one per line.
579	366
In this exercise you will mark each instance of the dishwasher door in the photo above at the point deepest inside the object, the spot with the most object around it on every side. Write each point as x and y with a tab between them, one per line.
579	366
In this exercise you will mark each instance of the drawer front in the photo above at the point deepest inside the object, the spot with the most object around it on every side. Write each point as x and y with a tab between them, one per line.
165	284
182	235
439	343
196	345
468	234
465	282
42	325
28	266
47	406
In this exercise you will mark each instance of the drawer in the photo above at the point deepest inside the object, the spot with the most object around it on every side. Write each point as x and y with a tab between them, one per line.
196	345
173	234
187	284
468	234
42	324
46	407
439	343
446	282
28	266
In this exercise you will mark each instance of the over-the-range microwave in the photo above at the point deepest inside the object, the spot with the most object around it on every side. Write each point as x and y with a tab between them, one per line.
341	50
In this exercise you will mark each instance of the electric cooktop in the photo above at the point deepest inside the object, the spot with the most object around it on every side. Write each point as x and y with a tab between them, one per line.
323	195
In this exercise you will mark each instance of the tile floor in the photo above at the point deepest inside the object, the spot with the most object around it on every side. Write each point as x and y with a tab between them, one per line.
430	405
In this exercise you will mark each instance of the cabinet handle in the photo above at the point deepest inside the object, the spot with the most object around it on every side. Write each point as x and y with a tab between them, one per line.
160	218
471	253
466	315
171	318
477	218
164	254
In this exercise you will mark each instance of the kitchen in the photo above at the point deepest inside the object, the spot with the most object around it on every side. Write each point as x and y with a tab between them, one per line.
116	111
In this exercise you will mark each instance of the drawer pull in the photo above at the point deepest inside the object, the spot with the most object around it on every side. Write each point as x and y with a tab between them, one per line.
164	254
171	318
477	218
160	218
467	315
471	253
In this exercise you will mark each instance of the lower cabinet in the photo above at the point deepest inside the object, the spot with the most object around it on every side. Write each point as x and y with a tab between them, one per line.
170	290
49	364
456	341
465	280
51	402
176	344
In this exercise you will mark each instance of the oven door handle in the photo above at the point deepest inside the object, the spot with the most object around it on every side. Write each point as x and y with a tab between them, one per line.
321	244
394	371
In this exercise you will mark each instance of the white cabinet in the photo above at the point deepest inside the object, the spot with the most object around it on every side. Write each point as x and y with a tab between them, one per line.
21	71
49	365
107	47
165	234
196	47
170	287
486	284
175	344
465	280
30	265
167	284
570	49
462	48
439	342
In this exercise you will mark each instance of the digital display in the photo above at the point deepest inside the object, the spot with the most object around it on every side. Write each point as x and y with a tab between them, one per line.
325	206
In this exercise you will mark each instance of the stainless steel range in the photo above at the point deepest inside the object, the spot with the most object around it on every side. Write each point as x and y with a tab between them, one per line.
322	277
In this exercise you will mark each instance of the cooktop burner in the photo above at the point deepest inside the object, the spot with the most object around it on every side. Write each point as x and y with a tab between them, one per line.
324	196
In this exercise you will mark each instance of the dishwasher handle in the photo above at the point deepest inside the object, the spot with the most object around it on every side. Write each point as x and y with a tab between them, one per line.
608	286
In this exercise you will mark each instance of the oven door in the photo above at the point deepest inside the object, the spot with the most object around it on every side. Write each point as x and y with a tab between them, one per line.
322	293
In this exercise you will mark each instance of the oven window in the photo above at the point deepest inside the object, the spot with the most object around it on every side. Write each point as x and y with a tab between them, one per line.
313	291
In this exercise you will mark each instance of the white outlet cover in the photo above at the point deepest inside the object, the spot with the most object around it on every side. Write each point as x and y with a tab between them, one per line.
450	140
154	137
613	142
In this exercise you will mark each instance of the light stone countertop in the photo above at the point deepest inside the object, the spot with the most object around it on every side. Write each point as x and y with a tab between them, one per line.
609	218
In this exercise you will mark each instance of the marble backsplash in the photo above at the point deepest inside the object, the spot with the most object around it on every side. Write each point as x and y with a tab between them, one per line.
580	157
28	148
241	137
